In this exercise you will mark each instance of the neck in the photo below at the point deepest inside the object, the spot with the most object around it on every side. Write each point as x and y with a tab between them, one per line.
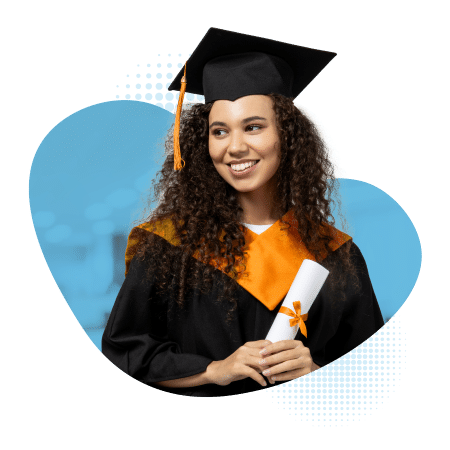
260	207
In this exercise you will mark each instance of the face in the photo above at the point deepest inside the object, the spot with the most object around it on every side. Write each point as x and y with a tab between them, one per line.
244	143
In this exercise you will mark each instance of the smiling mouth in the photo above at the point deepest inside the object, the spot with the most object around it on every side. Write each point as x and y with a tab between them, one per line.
243	166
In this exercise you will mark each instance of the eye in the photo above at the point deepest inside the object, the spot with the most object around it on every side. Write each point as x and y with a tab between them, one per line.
218	132
253	127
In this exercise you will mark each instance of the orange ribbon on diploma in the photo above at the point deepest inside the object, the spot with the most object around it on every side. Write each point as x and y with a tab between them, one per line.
298	318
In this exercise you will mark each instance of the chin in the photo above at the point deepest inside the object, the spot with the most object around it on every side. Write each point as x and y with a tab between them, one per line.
243	188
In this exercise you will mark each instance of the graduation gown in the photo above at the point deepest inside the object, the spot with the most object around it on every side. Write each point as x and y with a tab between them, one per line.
152	342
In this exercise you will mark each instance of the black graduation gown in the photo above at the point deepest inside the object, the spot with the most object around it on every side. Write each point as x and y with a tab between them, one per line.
152	343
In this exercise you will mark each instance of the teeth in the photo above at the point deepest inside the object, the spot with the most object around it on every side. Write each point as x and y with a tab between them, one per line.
240	167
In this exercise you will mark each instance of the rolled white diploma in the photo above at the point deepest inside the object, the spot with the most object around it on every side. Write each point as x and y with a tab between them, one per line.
305	288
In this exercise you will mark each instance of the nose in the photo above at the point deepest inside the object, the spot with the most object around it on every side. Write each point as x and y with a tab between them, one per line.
237	144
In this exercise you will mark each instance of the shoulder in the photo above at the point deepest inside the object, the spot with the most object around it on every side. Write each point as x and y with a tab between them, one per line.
358	285
338	236
141	234
356	257
162	227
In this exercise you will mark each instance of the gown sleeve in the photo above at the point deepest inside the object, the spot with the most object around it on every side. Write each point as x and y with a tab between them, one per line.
136	339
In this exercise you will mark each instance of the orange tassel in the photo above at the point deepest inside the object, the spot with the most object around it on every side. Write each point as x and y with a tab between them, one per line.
178	163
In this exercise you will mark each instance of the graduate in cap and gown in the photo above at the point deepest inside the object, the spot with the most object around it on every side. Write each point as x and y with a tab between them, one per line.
244	197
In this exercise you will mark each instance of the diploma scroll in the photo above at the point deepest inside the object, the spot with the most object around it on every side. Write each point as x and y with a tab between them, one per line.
302	293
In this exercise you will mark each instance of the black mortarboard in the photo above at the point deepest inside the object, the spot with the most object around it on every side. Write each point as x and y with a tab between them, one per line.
228	65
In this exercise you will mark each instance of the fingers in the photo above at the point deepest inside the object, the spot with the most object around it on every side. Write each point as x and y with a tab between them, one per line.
257	344
279	346
290	375
285	360
287	366
252	373
246	361
292	354
254	361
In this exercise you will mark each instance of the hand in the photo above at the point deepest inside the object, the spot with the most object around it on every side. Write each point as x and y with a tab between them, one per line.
286	360
243	363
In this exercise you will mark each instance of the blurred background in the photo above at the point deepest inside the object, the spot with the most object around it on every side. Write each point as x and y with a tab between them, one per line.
89	185
89	181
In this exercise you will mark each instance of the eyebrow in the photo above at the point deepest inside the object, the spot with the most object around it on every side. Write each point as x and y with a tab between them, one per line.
248	119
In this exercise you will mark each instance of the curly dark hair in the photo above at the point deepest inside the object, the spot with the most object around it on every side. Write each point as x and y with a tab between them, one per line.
206	214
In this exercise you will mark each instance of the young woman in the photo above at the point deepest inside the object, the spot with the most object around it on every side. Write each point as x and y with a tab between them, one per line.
207	272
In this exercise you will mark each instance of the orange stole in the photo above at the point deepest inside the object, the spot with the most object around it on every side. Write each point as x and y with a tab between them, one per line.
273	257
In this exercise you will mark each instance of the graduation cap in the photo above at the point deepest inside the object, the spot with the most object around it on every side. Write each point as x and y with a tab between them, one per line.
228	65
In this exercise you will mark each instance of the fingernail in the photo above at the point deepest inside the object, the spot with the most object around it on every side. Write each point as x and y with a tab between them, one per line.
262	362
263	351
266	372
264	383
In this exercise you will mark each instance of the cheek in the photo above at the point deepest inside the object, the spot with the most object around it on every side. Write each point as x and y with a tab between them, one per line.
271	150
266	144
213	151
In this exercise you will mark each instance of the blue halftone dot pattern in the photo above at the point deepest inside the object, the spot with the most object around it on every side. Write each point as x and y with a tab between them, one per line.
191	97
351	387
157	92
138	75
